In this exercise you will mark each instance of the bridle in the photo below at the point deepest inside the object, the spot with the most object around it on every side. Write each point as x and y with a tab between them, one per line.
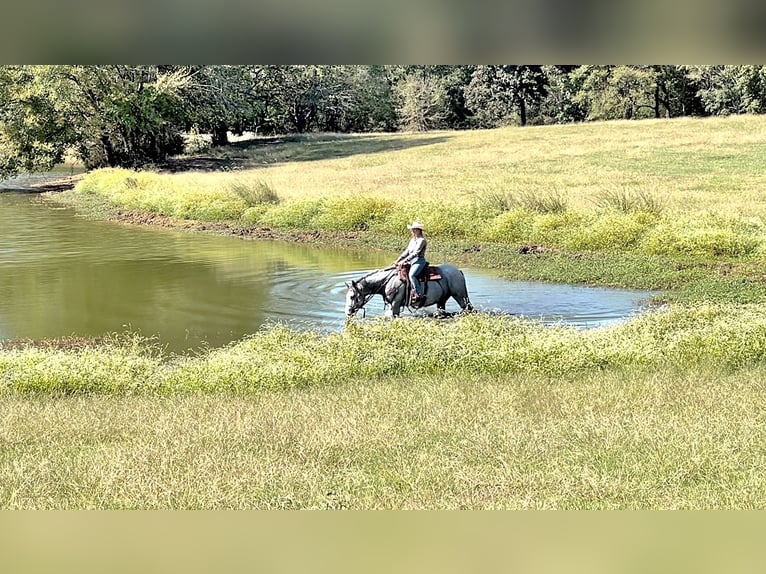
372	293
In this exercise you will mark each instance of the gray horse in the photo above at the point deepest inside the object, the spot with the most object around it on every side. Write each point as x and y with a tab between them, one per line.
387	283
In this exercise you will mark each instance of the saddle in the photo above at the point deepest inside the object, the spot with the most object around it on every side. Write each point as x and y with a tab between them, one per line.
429	273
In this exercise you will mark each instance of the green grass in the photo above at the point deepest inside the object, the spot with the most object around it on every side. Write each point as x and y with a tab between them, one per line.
663	440
726	336
682	187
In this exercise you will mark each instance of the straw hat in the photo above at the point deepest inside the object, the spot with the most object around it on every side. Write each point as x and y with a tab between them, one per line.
415	225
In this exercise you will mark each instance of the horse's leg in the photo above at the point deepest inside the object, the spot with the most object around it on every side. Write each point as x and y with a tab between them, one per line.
397	302
461	298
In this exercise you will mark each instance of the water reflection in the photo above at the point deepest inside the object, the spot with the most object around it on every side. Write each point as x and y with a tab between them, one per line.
61	275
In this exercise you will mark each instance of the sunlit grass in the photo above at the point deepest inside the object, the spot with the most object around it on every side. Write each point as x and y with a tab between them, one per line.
600	441
725	336
663	411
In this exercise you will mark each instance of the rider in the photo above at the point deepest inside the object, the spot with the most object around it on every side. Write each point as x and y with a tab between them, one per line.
415	255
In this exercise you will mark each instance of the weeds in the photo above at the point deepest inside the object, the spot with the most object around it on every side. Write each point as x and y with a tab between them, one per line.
630	201
726	336
254	193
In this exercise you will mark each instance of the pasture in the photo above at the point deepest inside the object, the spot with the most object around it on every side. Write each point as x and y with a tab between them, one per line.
663	411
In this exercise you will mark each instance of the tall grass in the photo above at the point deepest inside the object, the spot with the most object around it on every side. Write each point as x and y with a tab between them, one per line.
660	440
726	336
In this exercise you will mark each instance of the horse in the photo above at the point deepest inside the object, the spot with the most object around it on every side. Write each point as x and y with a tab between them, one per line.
388	284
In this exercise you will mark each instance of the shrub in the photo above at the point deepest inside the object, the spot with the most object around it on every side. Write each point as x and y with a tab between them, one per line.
604	231
554	228
704	238
209	206
512	226
451	220
254	215
352	213
297	214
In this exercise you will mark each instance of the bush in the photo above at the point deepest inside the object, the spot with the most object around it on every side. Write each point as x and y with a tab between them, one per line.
355	213
554	229
512	226
298	214
208	206
699	239
605	231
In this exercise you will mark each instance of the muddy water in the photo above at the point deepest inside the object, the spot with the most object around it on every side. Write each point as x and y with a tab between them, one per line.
62	275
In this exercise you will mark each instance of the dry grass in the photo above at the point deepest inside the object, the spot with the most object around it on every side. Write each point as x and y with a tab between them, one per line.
601	441
690	163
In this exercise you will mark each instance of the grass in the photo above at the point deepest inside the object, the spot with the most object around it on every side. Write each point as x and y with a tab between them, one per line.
663	440
726	336
681	187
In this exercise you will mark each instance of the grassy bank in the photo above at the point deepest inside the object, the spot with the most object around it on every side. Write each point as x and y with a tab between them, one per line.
656	440
681	188
727	337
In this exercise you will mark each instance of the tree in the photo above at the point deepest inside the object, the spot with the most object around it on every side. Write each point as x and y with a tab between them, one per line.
422	102
559	105
726	90
616	92
108	115
219	99
27	143
496	92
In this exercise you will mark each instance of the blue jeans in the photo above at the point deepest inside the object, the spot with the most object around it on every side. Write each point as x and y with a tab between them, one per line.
415	269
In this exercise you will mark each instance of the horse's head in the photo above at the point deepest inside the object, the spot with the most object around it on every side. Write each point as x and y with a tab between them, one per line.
354	299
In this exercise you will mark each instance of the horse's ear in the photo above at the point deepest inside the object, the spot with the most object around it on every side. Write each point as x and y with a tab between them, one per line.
347	285
353	284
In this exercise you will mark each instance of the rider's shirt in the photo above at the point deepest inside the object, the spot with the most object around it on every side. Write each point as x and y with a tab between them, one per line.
416	248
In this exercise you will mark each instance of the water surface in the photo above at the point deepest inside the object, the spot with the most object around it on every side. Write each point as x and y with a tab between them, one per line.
64	275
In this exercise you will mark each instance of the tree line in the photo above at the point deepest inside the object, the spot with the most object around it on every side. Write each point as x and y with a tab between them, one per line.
121	115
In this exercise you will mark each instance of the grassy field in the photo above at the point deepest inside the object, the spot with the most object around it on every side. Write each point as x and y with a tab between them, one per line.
683	187
663	411
599	441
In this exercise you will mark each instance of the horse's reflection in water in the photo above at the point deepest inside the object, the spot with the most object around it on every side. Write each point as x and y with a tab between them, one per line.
388	284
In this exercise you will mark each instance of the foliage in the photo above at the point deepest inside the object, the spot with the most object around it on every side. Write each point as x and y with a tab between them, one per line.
495	92
422	103
108	115
135	115
617	92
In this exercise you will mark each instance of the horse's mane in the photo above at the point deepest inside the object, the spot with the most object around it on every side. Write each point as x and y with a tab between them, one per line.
378	283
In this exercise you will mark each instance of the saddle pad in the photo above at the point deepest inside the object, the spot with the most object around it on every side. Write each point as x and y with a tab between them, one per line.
432	274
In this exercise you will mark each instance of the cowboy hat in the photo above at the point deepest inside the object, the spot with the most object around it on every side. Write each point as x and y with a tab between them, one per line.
415	225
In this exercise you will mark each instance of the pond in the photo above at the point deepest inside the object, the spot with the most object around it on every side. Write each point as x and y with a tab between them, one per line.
63	275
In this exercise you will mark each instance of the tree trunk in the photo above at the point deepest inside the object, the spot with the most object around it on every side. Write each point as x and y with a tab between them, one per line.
656	101
220	135
111	157
523	111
